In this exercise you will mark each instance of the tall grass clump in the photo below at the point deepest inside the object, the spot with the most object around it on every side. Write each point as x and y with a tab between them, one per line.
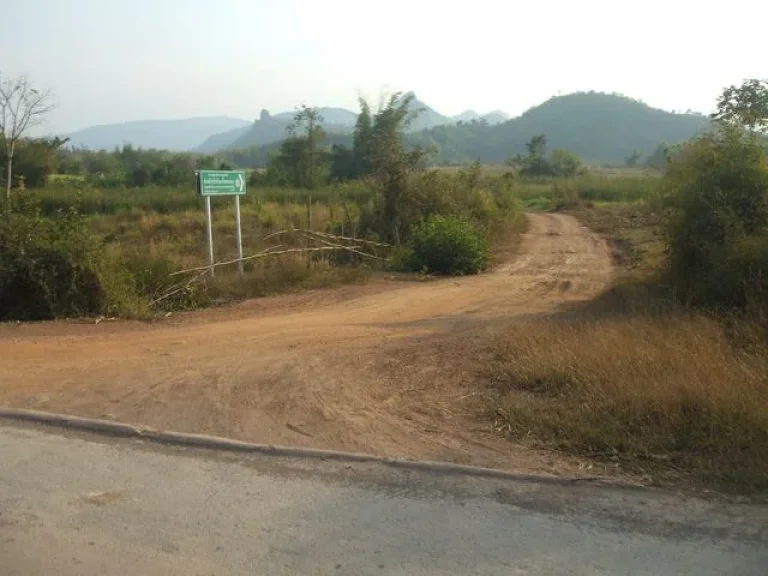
667	396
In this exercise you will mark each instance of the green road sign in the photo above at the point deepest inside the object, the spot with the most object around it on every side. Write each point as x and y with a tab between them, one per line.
220	183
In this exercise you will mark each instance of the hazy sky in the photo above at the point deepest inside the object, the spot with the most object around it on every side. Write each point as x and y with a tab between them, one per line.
112	61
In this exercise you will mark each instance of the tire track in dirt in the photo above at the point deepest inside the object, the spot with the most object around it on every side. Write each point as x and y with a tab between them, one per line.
385	368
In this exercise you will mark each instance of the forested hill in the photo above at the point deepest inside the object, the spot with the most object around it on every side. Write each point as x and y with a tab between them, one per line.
600	128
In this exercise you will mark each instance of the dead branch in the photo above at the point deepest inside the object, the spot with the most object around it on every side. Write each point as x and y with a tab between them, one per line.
266	254
360	240
326	235
353	249
178	288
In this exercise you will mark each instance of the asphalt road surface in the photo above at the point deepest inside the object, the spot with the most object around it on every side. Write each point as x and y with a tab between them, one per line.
83	505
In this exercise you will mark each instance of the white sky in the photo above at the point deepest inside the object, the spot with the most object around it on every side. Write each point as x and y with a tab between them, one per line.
117	60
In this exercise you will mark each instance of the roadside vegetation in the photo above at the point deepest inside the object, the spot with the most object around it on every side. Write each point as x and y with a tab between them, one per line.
122	233
666	374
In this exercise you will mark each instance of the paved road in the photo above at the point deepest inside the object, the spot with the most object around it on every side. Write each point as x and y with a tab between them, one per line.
85	505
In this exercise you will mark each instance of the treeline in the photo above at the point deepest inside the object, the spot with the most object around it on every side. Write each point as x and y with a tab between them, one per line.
37	160
130	167
308	158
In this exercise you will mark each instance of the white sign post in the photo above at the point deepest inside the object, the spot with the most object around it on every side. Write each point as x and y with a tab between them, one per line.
222	183
238	235
209	233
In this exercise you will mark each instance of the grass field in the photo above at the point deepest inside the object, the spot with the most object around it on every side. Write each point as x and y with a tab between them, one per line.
159	231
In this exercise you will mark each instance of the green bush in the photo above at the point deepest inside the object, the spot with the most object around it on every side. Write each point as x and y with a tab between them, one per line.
448	245
54	268
718	237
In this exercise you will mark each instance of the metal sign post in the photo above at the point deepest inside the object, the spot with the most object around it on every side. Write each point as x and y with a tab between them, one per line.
222	183
238	235
209	233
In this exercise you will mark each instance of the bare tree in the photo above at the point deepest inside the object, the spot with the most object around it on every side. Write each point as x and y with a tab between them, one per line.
21	107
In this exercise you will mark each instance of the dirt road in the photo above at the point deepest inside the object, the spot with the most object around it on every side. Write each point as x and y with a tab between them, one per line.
382	368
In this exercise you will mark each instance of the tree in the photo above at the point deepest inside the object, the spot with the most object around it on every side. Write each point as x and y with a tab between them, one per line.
564	163
745	105
310	122
560	162
344	164
536	164
21	107
633	159
34	160
363	140
718	234
393	164
659	158
537	146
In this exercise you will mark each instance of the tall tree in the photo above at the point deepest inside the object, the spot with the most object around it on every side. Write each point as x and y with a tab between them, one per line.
633	159
34	160
745	105
309	122
21	107
363	139
392	163
537	146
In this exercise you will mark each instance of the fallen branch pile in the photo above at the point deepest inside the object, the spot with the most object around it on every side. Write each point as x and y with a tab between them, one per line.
330	243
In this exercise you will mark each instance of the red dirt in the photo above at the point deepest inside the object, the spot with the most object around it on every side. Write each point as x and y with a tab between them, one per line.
385	368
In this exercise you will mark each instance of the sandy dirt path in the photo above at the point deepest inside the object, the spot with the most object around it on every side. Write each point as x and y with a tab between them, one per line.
384	368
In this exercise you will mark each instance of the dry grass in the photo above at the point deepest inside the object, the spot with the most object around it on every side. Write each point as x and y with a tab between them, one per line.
633	379
664	396
635	234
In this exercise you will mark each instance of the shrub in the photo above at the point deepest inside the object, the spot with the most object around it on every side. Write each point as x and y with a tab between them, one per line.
54	268
448	245
45	283
718	237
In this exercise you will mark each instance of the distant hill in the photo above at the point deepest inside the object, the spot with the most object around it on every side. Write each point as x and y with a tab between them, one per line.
222	140
601	128
495	117
428	117
166	134
272	128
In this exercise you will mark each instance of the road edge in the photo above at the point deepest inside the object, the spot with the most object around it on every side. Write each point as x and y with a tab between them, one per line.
215	443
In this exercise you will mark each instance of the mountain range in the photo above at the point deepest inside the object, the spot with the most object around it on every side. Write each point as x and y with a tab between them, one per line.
209	135
183	134
599	127
268	129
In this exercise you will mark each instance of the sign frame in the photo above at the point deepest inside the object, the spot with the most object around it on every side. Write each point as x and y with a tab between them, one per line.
222	183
